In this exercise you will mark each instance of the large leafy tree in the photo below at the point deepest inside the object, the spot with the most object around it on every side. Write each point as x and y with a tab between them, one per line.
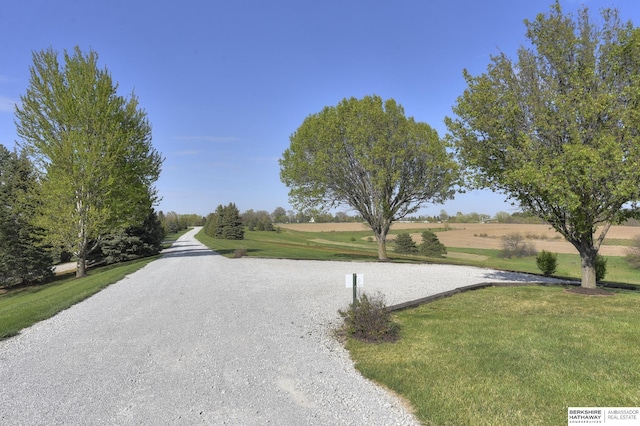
24	258
93	148
364	153
557	128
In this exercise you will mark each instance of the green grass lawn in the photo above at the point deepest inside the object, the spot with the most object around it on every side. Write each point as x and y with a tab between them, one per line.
22	307
297	245
359	245
511	356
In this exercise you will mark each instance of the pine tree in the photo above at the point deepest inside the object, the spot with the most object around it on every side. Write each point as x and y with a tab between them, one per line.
233	228
134	242
405	244
431	246
225	223
23	256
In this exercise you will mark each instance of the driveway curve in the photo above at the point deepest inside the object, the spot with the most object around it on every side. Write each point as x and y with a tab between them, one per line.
196	338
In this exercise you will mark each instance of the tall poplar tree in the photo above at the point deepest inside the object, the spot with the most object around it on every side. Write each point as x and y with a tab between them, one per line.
93	148
557	128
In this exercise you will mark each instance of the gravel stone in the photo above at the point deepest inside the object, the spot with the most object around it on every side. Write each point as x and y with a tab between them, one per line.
196	338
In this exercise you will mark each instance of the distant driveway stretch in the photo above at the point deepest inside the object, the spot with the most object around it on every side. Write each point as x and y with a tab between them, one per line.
196	338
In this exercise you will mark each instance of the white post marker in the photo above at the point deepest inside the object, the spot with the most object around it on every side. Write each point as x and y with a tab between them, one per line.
354	281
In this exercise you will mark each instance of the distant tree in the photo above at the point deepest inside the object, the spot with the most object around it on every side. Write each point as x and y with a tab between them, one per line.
225	223
341	217
503	217
171	223
515	245
250	219
405	244
364	153
431	245
93	148
556	130
233	229
24	258
279	215
191	219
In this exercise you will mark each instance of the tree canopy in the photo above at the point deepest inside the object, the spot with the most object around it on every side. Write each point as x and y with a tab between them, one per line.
556	129
365	154
93	148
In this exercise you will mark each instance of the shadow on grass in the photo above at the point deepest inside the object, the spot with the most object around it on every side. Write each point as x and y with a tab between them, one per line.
353	257
230	252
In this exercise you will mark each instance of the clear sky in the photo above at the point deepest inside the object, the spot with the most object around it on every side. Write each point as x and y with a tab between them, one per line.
225	83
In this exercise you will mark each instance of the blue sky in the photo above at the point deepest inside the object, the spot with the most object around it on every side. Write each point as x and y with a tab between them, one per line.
225	83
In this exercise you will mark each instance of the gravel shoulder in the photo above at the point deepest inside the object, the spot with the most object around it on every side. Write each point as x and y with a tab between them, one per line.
196	338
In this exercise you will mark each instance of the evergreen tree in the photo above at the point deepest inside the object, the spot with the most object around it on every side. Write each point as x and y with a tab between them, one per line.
225	223
405	244
134	242
23	256
232	227
431	246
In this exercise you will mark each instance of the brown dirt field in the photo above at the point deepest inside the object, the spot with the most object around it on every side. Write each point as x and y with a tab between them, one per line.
485	235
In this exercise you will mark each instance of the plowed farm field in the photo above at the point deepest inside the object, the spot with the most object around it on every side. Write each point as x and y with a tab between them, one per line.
486	235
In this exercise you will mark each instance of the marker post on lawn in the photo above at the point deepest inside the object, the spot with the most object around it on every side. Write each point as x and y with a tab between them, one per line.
352	280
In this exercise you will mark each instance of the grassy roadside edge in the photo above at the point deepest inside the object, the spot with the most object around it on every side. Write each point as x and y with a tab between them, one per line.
23	307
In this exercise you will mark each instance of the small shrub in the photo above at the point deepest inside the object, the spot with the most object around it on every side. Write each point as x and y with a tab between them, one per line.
240	252
369	320
405	244
547	262
431	245
601	268
514	245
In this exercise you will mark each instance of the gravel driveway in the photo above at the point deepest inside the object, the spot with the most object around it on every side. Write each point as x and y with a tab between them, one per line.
196	338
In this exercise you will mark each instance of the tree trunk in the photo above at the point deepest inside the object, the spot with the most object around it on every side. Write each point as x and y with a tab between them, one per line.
588	262
81	268
382	245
